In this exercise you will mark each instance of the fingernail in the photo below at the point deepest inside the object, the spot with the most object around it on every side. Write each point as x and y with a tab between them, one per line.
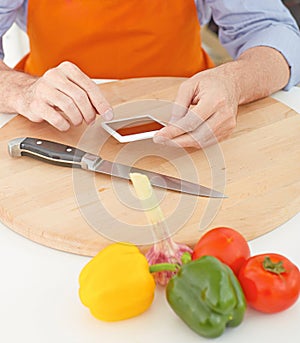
108	114
65	127
159	139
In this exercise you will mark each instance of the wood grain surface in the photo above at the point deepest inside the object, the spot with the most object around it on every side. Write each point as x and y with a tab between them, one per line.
257	167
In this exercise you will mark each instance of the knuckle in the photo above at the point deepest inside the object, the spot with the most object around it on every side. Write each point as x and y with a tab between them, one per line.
32	116
50	74
36	108
68	105
80	97
91	87
39	91
185	86
66	65
35	104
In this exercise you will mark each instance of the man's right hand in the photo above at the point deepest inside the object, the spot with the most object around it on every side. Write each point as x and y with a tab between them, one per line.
63	96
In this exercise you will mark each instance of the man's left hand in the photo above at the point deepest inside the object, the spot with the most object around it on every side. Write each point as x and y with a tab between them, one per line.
215	96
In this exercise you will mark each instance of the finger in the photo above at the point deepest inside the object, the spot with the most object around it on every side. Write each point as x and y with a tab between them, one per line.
190	122
184	141
65	104
96	98
205	135
178	112
182	102
80	99
54	118
189	140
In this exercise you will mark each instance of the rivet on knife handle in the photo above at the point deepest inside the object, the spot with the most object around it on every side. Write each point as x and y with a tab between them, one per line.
51	152
68	156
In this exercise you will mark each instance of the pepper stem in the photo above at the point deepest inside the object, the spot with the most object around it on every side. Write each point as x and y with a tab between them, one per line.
172	267
273	267
186	257
160	267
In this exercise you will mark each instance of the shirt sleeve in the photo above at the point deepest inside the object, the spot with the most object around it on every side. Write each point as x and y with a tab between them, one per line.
8	14
251	23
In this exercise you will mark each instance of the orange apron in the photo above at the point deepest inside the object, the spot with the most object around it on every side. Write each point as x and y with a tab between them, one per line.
115	39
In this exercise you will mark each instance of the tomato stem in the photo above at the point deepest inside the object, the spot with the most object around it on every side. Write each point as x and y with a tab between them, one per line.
273	267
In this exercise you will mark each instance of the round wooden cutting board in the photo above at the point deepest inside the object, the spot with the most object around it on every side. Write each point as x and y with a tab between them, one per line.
257	167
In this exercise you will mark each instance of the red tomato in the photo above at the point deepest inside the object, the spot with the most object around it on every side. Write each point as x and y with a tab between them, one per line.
226	244
270	285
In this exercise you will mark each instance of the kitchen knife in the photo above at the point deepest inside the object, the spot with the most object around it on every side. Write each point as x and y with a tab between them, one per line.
65	155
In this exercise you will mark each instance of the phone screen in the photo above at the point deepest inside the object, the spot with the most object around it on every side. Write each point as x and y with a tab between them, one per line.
134	128
140	128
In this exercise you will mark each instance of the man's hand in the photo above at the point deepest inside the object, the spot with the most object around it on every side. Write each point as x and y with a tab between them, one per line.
63	96
216	98
216	94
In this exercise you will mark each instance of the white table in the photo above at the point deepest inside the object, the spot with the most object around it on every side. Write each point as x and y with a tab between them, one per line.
39	300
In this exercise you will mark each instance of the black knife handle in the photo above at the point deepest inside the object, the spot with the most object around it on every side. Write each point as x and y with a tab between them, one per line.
51	152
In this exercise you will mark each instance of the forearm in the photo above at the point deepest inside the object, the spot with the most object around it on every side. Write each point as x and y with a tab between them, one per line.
256	24
257	73
216	94
62	96
11	84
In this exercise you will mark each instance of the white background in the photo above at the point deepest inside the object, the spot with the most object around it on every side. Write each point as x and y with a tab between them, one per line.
39	286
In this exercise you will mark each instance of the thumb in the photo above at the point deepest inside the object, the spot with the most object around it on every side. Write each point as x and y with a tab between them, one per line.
182	102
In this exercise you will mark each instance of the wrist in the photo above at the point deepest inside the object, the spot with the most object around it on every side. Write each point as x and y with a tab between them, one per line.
231	72
13	84
258	72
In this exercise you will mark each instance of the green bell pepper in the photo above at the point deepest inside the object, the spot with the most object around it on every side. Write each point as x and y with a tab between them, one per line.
206	295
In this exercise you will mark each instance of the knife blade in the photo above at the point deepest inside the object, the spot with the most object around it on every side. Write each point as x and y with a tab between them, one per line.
68	156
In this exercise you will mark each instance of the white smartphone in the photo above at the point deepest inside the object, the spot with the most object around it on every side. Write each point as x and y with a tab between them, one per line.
133	129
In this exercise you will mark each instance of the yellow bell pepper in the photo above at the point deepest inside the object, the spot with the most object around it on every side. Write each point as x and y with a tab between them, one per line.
116	284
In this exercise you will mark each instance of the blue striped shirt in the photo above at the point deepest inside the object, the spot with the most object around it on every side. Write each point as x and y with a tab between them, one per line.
242	25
